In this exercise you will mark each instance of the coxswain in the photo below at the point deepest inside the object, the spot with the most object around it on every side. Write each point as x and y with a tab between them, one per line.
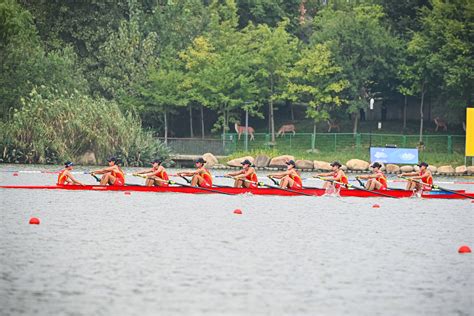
424	176
113	174
335	178
376	180
65	176
156	175
245	178
201	176
290	179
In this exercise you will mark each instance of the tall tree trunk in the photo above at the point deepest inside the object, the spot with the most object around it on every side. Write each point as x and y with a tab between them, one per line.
421	111
314	137
224	125
166	126
292	112
202	121
191	133
272	119
405	113
356	123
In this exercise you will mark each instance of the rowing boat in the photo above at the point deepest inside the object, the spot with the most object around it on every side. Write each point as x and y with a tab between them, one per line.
433	194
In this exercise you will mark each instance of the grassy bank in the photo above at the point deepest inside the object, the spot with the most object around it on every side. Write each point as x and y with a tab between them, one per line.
437	159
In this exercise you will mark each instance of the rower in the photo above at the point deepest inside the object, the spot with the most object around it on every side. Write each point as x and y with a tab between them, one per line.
290	179
376	180
245	178
424	175
201	176
65	176
337	175
113	174
156	175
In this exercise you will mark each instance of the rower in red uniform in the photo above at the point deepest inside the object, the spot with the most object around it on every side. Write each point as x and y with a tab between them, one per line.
156	175
290	179
424	175
200	177
113	174
376	180
337	175
247	173
65	177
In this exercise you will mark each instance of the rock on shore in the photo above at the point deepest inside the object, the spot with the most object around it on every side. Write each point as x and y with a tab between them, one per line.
210	159
237	162
357	164
280	161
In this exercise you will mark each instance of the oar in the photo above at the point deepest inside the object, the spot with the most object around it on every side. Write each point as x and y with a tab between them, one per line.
433	186
95	177
277	187
388	188
348	185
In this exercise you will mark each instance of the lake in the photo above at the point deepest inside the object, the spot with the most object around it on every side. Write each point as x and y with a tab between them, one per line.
107	253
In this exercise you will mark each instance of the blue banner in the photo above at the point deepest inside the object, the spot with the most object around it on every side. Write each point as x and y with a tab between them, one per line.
394	155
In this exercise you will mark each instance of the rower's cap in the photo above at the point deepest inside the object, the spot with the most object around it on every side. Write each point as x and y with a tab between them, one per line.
68	164
246	162
335	163
291	162
114	159
200	160
376	165
157	160
423	164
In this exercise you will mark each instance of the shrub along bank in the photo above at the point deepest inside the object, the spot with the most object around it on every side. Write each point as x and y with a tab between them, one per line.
51	128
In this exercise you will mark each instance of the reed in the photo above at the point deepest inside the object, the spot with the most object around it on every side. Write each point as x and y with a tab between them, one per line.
53	128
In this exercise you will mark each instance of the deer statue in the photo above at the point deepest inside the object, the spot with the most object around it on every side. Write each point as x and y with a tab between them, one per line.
241	130
333	124
440	123
286	129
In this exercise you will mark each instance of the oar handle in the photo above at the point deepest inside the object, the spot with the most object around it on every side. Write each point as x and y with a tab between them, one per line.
95	177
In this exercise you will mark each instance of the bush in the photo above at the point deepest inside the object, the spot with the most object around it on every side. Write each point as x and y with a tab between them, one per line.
52	127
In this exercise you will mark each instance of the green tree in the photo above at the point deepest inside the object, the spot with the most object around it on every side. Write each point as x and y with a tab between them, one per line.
316	81
273	54
363	47
24	64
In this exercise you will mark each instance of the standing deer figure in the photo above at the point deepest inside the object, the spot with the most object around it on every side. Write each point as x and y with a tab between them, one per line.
333	124
440	123
286	129
241	130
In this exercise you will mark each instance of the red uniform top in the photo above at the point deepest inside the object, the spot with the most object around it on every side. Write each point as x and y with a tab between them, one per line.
342	180
207	178
163	175
428	179
297	182
382	179
252	177
119	177
62	178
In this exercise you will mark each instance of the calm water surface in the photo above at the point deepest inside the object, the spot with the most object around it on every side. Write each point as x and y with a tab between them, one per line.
106	253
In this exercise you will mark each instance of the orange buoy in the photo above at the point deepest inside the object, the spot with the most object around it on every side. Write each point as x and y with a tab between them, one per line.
15	174
34	221
128	193
375	206
237	211
464	249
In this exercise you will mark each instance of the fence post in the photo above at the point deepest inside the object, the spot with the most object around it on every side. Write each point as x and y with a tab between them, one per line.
450	144
267	141
313	141
404	141
335	142
358	140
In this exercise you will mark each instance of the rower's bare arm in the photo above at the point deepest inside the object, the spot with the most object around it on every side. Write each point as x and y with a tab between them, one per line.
408	174
233	174
74	180
327	174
